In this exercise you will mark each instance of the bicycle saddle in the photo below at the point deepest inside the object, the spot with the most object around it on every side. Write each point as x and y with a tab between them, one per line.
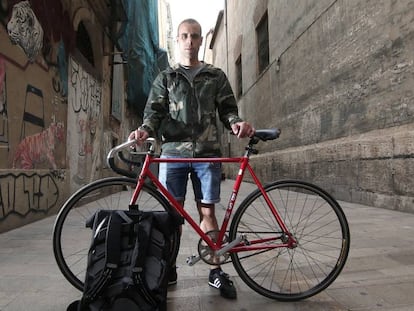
267	134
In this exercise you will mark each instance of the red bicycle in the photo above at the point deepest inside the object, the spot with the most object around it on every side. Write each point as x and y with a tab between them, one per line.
287	240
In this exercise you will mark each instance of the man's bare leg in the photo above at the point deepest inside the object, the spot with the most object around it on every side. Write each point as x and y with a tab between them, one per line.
217	278
208	220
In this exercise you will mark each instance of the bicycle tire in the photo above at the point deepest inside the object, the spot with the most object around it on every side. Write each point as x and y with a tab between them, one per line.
316	221
71	239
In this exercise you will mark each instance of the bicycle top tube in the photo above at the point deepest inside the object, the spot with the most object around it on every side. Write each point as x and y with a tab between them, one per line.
260	135
197	160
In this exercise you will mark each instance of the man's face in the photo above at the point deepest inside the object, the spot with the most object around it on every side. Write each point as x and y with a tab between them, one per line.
189	40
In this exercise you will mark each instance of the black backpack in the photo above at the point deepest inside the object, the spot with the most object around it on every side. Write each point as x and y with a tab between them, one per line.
128	262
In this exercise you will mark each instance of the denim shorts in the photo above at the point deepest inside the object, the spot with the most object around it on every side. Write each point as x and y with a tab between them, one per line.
205	177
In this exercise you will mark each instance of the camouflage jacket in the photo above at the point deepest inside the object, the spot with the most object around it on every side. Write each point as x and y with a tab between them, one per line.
183	114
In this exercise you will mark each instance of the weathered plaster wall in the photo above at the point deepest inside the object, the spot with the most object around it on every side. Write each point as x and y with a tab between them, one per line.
56	123
340	86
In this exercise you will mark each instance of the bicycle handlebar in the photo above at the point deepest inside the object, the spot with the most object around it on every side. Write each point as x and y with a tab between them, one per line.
117	150
261	134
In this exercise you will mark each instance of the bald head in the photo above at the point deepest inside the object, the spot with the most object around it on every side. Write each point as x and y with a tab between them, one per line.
189	21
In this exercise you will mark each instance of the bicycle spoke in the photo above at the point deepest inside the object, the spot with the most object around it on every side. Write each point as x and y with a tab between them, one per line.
316	223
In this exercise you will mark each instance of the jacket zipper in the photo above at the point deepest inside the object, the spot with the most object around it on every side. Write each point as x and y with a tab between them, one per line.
194	113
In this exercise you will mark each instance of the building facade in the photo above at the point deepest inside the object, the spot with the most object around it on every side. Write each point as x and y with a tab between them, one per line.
338	78
73	77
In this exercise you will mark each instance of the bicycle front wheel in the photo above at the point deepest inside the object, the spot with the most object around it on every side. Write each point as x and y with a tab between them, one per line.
316	222
71	239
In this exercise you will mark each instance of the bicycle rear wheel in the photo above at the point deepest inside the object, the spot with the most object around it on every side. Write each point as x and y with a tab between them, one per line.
319	226
71	239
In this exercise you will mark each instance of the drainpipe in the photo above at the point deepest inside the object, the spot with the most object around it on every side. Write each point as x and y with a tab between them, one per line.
227	65
209	33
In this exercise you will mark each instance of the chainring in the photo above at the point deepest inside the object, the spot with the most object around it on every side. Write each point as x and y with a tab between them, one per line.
207	254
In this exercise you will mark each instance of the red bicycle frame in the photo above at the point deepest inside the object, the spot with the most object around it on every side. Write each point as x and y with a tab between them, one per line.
216	246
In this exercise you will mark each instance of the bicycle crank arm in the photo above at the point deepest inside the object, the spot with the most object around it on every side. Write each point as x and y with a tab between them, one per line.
229	246
193	259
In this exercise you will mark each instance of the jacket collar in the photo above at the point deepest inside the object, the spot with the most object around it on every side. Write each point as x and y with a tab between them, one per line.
176	68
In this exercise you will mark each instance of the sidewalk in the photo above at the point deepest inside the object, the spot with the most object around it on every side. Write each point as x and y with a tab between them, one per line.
379	274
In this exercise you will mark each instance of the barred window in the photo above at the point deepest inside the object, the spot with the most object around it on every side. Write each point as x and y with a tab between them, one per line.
83	43
239	77
262	33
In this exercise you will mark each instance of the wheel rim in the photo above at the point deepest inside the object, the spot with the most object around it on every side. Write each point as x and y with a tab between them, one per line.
318	225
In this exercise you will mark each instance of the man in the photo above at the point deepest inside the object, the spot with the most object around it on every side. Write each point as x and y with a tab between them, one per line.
182	109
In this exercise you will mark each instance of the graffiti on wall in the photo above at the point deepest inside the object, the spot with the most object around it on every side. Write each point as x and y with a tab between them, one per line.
84	97
60	79
21	194
2	85
25	30
4	124
37	148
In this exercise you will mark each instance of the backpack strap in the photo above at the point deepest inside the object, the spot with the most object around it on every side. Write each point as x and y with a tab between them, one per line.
113	241
119	220
112	255
113	238
143	230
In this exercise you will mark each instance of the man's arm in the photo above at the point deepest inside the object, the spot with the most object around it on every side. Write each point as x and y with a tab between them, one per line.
228	111
155	110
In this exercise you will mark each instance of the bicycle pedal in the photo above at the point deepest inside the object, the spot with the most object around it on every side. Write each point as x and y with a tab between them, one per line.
193	259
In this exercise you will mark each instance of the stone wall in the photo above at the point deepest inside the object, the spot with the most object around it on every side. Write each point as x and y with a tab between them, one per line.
340	86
